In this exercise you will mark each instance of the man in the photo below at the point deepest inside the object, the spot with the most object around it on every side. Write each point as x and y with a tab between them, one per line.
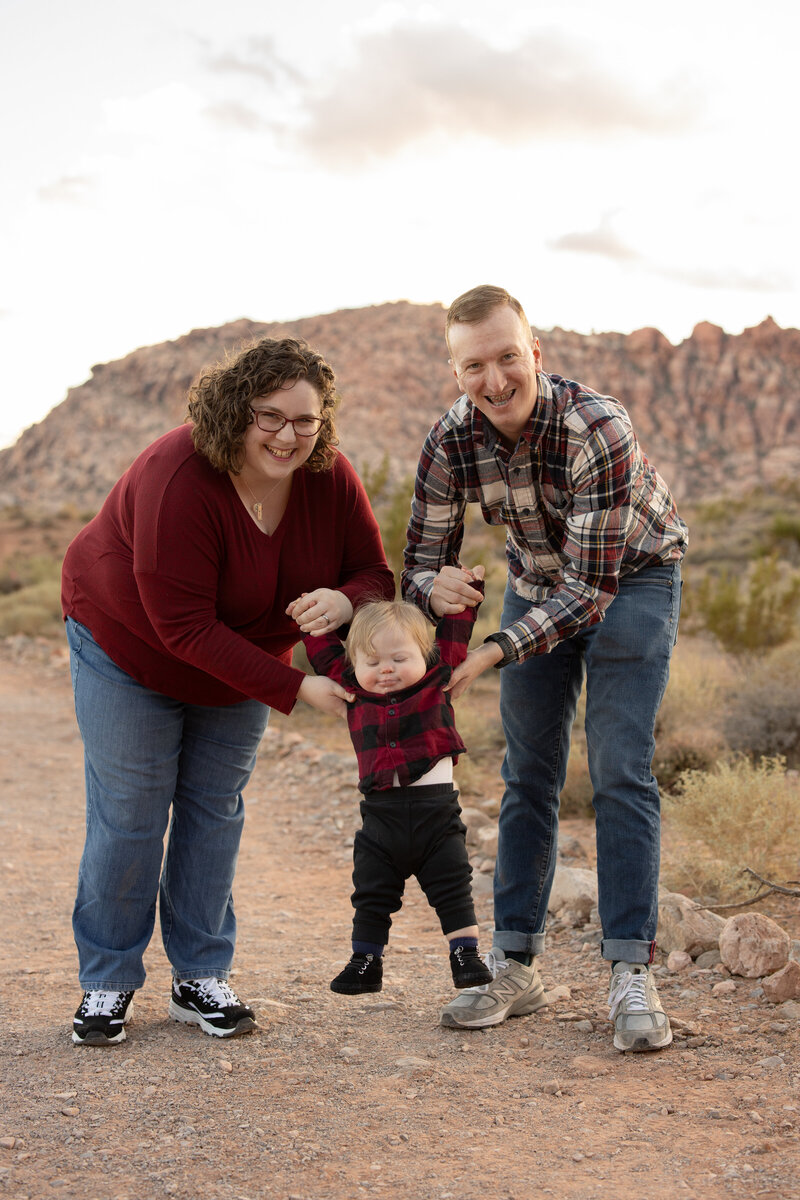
594	546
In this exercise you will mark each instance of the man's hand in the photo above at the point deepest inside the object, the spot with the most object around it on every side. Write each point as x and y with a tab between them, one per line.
452	592
476	662
322	693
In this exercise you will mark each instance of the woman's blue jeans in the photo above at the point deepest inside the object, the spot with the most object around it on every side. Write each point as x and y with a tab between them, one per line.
626	662
146	754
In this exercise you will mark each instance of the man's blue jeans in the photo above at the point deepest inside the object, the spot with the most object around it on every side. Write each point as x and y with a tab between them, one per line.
626	662
144	755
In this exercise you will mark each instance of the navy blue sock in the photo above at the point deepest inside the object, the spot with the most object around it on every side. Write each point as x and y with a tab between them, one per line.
469	943
374	948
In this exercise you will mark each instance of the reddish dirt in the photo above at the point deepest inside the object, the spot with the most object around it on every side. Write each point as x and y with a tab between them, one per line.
335	1098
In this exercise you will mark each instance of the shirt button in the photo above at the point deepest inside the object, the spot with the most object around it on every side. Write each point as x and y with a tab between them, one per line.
393	744
391	712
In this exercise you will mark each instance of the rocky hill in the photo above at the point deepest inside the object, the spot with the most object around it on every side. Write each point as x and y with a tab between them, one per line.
718	413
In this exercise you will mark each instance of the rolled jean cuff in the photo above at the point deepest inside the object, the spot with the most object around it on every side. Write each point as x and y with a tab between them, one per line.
186	974
109	985
623	950
520	943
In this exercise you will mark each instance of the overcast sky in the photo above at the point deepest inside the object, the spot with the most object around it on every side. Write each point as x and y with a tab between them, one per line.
172	164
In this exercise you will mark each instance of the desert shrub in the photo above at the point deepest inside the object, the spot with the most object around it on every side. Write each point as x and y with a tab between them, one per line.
30	596
737	815
391	503
689	728
33	610
762	710
785	527
756	612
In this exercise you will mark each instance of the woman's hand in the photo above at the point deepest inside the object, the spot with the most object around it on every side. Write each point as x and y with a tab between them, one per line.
320	611
476	662
322	693
452	592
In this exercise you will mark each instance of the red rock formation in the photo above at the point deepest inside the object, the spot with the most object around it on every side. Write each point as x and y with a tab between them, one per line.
718	413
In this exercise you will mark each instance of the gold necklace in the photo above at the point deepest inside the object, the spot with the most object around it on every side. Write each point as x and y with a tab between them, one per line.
258	506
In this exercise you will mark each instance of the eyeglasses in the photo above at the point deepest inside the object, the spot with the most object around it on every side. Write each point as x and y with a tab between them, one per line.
273	422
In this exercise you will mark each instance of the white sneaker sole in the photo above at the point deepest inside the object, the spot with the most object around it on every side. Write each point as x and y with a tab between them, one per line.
532	1004
188	1016
95	1038
641	1042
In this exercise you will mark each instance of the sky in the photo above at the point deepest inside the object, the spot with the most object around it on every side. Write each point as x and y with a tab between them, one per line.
168	165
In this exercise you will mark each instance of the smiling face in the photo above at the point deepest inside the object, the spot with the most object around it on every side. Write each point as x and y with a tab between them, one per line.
496	361
394	662
273	456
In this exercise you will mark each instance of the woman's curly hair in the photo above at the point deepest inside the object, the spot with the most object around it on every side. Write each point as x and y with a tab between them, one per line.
220	399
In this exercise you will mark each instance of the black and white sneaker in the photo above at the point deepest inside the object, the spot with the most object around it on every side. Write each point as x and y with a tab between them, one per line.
213	1005
101	1018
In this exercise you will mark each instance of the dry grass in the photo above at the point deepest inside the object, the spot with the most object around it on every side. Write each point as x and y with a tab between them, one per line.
30	596
689	729
737	815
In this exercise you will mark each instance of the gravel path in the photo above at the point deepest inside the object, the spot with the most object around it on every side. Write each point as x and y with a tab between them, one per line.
336	1098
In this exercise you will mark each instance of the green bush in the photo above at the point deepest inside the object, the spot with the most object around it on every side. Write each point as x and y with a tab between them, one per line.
752	613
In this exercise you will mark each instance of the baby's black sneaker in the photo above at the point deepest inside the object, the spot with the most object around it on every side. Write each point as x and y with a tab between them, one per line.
364	973
469	969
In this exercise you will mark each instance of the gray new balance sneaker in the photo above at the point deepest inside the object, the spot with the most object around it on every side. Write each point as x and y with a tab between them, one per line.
640	1022
515	991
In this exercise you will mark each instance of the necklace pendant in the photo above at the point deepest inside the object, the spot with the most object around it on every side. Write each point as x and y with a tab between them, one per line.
258	510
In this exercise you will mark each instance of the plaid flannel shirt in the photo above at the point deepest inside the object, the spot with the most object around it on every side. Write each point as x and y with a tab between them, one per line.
408	732
582	506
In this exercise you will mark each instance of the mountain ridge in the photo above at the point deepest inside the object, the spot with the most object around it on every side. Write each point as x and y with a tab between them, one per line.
717	414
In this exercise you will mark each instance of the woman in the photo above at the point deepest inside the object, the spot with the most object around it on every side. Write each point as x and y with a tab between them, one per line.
225	541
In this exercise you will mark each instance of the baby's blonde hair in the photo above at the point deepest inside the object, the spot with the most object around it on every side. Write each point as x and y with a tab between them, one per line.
372	618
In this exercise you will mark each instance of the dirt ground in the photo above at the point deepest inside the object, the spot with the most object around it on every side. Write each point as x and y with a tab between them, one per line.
334	1098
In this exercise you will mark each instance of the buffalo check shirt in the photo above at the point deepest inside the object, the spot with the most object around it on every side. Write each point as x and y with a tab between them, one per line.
409	732
582	507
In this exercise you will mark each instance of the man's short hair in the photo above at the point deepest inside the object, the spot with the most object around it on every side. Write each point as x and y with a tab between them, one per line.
476	304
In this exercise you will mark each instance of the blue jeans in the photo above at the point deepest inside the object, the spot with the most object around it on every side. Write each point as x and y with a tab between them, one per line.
626	661
144	755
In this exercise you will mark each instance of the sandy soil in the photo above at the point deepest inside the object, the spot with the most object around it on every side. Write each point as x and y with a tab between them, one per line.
334	1098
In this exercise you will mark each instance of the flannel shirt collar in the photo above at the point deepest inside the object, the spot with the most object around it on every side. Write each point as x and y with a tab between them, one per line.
482	431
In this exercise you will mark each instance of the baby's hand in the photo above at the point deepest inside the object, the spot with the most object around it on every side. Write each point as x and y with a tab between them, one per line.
478	572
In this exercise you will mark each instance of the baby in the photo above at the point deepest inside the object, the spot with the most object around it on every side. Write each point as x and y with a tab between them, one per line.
403	731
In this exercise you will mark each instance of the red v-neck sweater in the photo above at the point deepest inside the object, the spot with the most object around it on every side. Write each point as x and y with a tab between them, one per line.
184	592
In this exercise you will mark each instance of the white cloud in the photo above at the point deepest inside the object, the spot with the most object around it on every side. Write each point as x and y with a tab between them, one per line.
70	189
258	59
602	241
729	279
416	80
233	115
